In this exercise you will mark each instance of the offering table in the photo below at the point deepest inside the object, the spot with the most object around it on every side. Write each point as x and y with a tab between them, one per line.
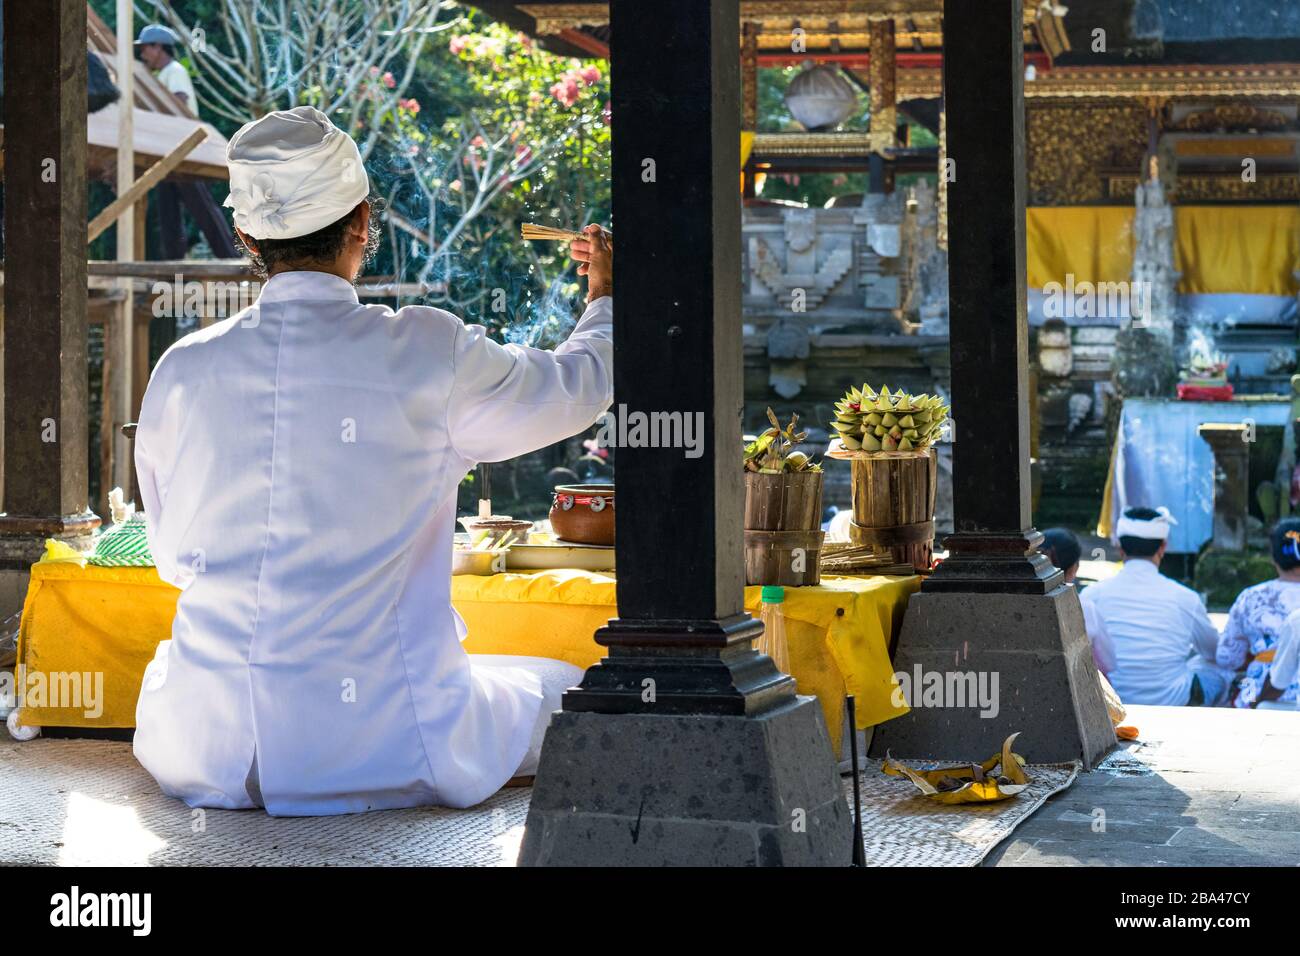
110	620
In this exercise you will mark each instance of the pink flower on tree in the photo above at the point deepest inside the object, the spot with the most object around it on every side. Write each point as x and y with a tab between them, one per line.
389	81
456	45
566	90
589	75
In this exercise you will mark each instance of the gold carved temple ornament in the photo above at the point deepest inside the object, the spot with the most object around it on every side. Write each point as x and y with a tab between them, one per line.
749	76
883	85
828	26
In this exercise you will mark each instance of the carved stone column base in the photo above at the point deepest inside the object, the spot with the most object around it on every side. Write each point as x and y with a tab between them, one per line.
682	667
22	543
977	668
688	790
994	562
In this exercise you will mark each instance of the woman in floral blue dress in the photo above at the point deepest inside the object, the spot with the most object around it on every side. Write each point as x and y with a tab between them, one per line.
1257	619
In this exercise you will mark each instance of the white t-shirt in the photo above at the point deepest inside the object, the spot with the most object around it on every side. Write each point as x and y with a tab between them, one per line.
177	79
1157	629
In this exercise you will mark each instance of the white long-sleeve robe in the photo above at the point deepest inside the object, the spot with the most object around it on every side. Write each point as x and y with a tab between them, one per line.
298	467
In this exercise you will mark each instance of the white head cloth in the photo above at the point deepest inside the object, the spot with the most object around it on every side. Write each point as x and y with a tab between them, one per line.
1153	529
293	172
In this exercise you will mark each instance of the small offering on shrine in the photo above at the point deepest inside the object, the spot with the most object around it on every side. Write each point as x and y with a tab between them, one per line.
783	508
888	437
1205	379
884	421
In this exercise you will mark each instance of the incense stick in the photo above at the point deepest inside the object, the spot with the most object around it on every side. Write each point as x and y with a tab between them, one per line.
532	230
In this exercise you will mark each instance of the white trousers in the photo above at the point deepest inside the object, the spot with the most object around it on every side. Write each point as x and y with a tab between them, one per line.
556	677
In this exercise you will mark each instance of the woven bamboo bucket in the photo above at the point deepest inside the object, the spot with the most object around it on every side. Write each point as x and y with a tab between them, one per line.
893	505
791	559
783	517
790	501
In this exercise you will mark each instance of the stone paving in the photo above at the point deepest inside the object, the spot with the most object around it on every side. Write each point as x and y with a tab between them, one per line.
1202	787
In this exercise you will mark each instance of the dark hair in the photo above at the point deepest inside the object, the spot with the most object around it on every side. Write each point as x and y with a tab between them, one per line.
169	49
1286	551
1140	547
314	248
1061	545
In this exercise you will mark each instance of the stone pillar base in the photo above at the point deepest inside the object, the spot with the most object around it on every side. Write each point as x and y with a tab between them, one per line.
688	790
22	543
1034	646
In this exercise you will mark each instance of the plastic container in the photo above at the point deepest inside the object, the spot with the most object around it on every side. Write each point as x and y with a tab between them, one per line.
772	614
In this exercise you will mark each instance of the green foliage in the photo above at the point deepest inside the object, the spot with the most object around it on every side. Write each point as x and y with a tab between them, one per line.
489	132
526	132
1222	575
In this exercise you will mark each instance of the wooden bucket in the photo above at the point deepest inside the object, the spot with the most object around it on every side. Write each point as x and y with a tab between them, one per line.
790	501
771	557
893	505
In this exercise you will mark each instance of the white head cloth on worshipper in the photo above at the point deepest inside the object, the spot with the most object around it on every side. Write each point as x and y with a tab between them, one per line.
293	172
1153	529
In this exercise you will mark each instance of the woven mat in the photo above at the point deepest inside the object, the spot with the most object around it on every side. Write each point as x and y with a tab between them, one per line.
903	828
87	802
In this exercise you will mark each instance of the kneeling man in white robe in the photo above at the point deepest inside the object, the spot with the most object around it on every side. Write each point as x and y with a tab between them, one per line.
298	467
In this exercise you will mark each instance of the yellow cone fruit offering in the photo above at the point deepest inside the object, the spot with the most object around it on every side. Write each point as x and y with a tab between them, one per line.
868	420
968	783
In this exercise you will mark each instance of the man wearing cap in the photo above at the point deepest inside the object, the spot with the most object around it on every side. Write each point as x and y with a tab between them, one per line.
1162	641
298	468
157	47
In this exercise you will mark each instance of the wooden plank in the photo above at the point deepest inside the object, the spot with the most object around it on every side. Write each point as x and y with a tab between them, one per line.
170	268
152	177
156	135
116	398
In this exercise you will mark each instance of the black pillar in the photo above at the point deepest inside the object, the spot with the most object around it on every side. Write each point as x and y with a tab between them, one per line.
44	335
684	746
995	610
983	85
677	348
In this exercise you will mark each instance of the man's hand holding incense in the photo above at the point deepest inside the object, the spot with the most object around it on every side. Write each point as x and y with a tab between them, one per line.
595	258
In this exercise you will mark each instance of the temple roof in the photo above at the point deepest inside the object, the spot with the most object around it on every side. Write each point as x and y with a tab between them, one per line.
1137	32
1209	32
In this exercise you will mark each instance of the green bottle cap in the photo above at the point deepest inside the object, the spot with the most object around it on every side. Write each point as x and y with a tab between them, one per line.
772	594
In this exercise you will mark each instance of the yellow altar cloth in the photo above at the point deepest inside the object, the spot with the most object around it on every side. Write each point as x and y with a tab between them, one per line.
110	621
839	632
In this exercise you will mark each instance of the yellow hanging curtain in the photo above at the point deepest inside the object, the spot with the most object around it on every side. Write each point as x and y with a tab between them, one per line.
1237	248
1241	249
1092	243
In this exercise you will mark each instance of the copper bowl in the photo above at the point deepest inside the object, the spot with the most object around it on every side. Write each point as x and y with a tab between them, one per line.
583	514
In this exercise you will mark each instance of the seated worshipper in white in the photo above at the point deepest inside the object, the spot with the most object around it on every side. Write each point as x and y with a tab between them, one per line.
1285	672
1162	639
298	467
1257	621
